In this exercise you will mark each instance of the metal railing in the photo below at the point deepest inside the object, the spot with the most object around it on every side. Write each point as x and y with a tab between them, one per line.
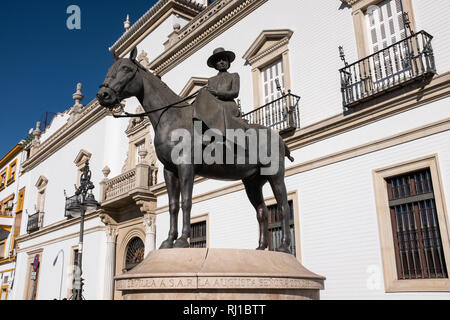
33	223
407	60
280	114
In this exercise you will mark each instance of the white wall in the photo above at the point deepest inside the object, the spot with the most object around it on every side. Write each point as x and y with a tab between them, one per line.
432	16
49	285
338	219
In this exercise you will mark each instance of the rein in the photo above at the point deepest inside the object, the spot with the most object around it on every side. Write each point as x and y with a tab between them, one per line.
139	115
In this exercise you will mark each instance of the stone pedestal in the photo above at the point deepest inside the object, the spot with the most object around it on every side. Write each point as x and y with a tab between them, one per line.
219	274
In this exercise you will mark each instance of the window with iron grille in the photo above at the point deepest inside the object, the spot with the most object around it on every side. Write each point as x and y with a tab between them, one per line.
198	235
275	233
417	240
135	253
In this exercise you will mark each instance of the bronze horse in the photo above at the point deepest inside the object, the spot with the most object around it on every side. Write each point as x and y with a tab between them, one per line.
127	78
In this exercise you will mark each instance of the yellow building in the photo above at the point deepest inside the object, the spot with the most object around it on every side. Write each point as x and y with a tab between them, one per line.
11	206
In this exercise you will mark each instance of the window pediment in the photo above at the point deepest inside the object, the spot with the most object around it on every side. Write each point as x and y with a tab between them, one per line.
41	183
266	42
81	158
193	84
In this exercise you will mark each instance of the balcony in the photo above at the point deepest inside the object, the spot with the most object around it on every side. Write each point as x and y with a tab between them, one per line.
282	114
127	188
33	223
407	61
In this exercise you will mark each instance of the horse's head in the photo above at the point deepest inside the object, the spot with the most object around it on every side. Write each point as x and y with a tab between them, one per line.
121	82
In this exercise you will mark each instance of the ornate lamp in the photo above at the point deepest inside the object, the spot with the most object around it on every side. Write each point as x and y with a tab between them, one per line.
73	207
90	202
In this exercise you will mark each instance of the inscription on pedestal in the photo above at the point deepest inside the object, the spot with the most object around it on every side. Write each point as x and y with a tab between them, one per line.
218	283
257	283
157	283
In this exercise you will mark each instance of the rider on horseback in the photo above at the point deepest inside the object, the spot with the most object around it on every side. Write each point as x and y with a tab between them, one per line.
215	104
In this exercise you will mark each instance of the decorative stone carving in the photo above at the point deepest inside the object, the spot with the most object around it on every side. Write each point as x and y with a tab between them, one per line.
143	60
106	219
149	222
173	37
111	233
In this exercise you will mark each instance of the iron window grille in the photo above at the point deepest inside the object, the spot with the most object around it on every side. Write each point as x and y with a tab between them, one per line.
417	240
33	223
135	253
274	227
408	60
198	235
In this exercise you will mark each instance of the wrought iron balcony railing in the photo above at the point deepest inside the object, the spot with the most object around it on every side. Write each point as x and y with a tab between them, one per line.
281	114
33	223
410	59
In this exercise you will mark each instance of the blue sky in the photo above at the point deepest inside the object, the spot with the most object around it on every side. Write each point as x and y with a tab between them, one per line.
42	60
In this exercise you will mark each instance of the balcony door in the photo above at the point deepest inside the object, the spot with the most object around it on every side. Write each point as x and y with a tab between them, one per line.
270	75
386	28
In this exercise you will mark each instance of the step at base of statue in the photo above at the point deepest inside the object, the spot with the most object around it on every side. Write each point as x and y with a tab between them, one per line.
219	274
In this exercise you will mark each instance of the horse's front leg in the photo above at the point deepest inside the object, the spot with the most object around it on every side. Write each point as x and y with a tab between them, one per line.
173	191
186	177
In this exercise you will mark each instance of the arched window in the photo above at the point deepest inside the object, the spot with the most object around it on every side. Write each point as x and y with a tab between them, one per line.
135	253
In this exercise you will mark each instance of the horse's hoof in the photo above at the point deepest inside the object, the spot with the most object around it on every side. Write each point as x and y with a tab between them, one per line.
181	243
262	247
167	244
284	249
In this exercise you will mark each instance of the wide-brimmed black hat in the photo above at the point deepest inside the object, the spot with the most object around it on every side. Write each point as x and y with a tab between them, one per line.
219	53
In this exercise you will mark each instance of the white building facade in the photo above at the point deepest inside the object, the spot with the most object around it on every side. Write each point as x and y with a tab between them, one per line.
369	187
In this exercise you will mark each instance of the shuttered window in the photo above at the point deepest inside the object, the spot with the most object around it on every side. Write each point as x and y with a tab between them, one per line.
275	232
386	27
198	235
417	240
270	75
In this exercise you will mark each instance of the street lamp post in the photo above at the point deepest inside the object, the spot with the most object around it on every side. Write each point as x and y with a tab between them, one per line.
76	206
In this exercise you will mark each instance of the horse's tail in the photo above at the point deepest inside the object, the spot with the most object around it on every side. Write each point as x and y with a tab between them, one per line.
287	153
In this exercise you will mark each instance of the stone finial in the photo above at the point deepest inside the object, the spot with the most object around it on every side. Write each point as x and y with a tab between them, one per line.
76	109
127	23
106	171
36	138
37	132
78	96
142	156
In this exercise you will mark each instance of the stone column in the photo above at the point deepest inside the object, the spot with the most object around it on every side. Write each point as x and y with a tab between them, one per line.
110	258
150	233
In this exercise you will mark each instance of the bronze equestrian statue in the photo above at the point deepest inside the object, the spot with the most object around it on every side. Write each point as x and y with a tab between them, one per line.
127	78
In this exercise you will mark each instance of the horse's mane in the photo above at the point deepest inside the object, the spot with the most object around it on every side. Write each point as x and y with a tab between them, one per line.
159	85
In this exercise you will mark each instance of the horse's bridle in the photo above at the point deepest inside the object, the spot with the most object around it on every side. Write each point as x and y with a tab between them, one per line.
117	91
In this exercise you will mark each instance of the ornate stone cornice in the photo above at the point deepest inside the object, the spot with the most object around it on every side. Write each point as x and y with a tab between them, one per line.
90	114
210	23
191	8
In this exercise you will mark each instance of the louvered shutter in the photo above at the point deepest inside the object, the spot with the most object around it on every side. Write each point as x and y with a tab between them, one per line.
269	76
386	27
